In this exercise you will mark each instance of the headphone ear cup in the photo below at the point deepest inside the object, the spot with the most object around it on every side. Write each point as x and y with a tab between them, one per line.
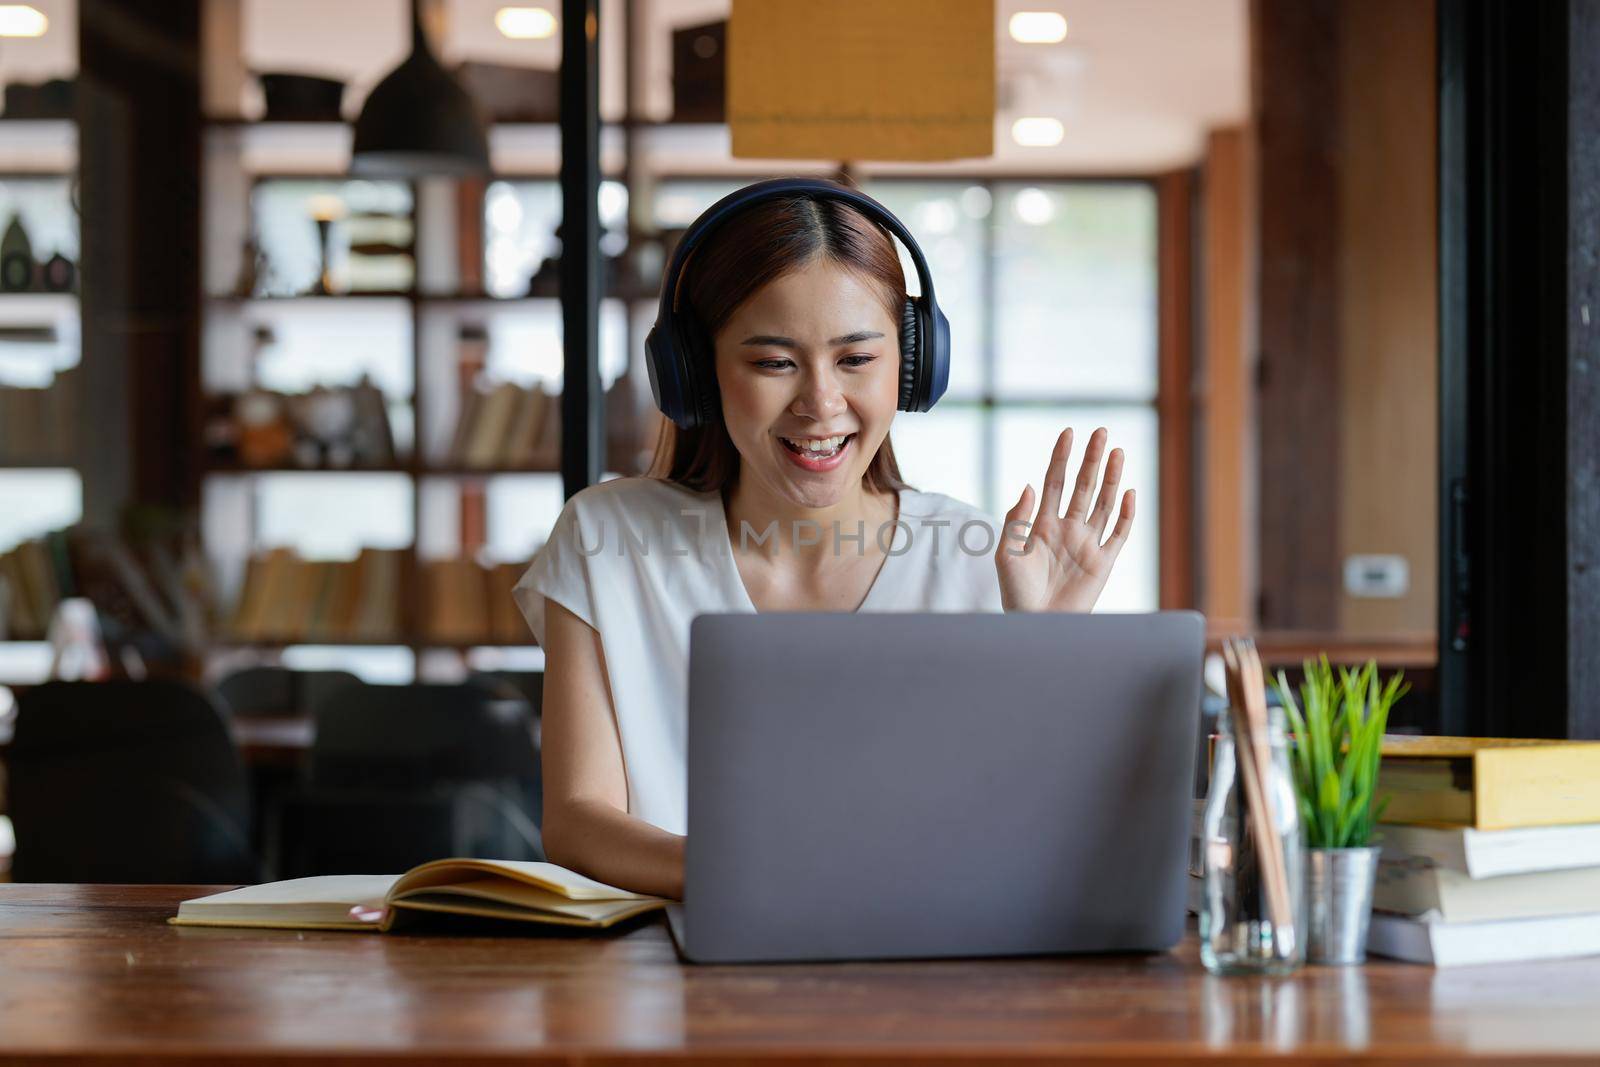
707	398
910	354
701	401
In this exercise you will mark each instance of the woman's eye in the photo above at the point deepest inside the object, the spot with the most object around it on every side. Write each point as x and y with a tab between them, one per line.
780	364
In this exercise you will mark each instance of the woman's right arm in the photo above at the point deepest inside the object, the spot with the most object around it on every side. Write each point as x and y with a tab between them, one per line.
587	827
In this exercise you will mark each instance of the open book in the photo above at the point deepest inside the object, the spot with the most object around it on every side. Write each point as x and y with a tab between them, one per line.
495	889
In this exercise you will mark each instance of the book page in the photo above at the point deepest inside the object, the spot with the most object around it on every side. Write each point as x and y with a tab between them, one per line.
518	896
557	880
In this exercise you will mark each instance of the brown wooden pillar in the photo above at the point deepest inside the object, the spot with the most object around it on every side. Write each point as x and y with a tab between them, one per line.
139	126
1295	46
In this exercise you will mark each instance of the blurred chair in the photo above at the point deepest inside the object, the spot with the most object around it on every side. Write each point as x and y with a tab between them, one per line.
405	774
279	690
530	684
127	782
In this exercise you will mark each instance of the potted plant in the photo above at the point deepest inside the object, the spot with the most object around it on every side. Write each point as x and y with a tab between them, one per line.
1337	746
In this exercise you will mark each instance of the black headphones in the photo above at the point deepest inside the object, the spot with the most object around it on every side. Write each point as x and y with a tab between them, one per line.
678	367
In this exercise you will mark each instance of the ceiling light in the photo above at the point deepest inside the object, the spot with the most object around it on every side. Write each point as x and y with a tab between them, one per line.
525	23
1037	132
1038	27
20	20
418	120
1033	206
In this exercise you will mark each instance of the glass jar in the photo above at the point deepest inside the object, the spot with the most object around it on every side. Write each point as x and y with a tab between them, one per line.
1238	934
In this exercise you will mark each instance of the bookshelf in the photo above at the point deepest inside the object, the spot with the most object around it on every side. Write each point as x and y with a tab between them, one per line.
40	350
448	502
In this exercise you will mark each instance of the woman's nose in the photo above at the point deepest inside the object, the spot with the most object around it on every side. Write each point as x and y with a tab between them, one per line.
820	399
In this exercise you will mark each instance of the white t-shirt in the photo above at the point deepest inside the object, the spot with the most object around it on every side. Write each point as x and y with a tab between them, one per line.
638	558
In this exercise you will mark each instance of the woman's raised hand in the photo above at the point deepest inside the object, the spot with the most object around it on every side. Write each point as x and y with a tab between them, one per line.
1061	563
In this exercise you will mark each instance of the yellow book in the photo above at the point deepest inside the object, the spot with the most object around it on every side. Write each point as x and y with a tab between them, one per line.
487	443
492	889
526	429
1490	783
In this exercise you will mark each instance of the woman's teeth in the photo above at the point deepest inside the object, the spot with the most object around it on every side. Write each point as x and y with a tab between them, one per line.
818	448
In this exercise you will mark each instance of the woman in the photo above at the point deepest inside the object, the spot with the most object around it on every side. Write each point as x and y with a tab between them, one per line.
787	499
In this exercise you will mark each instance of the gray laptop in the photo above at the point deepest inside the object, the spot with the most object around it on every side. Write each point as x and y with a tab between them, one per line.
877	786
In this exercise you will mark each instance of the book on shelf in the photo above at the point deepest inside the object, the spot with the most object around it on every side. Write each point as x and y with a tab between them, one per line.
528	428
1490	783
507	427
286	598
153	586
505	618
471	399
458	601
38	425
377	613
469	602
36	585
546	449
523	892
486	439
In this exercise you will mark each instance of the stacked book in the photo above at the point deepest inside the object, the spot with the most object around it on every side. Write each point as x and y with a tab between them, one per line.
1491	851
286	598
507	427
468	602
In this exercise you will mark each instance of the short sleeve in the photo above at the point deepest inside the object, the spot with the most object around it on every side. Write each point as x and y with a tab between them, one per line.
560	571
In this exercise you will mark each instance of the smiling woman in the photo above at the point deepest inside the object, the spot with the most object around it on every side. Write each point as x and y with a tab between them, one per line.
784	348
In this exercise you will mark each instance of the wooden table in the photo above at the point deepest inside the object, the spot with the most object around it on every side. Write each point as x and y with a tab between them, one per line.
93	973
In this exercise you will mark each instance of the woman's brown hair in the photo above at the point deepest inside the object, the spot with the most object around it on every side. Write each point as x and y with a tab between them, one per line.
745	252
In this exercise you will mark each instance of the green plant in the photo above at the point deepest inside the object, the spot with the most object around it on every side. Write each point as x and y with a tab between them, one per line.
1338	743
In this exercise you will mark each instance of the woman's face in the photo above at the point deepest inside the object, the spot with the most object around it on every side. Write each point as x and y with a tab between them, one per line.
810	357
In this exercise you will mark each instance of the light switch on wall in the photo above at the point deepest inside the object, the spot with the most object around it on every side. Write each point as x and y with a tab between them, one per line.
1377	576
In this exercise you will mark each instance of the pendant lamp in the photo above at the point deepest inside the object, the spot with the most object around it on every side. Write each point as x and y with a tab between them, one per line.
418	120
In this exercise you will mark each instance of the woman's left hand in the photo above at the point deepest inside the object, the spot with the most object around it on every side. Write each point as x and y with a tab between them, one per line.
1060	563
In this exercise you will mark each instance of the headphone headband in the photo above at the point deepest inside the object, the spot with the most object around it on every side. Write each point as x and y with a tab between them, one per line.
739	199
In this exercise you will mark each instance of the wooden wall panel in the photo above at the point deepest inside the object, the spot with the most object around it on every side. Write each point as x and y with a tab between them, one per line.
1389	300
1346	130
1294	45
1175	397
138	112
1226	497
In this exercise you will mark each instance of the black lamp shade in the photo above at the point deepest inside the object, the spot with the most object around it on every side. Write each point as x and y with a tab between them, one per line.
419	120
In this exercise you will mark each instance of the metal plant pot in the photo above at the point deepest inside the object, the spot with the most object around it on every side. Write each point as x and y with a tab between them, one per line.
1339	885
